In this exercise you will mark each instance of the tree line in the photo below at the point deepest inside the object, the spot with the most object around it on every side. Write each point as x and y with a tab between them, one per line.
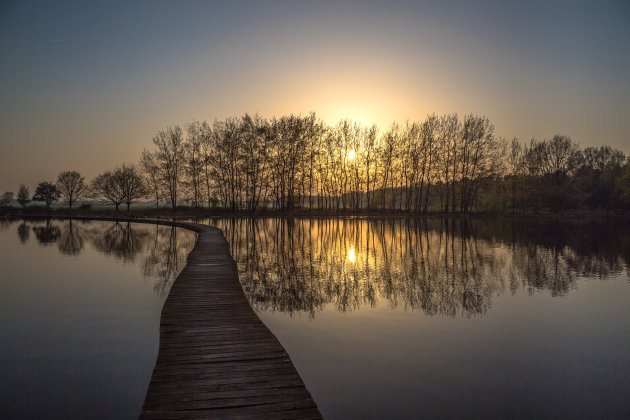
441	164
125	184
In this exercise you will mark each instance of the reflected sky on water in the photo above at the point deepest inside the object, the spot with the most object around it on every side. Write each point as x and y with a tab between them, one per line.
394	318
80	306
445	318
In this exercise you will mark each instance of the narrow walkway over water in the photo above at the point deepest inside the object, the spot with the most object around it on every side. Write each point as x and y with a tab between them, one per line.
216	357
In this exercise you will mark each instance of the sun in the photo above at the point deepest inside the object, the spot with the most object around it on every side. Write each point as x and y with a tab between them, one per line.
352	154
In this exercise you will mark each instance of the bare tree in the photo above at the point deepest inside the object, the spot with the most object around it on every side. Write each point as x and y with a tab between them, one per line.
107	186
484	159
368	159
225	161
598	158
123	185
23	196
207	149
131	184
6	199
428	133
194	160
169	157
562	155
387	155
71	186
515	171
255	141
47	192
449	129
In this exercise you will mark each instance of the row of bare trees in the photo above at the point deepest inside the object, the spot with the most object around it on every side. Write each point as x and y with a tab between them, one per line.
441	164
299	162
125	184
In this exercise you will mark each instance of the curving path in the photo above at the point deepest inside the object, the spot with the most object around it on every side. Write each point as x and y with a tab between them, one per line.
216	358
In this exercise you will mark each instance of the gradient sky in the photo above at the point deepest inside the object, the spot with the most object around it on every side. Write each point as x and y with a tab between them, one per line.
86	87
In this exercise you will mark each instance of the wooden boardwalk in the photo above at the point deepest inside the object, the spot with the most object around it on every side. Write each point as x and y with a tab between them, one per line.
216	357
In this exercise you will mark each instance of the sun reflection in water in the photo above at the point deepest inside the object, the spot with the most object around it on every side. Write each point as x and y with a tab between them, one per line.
351	256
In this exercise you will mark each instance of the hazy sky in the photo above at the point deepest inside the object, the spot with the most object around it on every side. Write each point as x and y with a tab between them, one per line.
86	86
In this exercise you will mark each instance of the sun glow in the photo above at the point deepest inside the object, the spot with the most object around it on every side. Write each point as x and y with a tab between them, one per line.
351	256
352	154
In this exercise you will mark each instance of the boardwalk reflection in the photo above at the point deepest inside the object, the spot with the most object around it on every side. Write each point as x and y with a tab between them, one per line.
162	250
438	266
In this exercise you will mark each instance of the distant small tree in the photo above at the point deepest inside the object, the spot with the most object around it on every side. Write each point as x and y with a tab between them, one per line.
107	187
47	192
6	199
23	196
71	186
131	184
123	185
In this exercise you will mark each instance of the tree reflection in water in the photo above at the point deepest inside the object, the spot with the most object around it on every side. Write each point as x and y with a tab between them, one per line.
168	249
441	266
71	239
24	232
121	240
46	234
162	250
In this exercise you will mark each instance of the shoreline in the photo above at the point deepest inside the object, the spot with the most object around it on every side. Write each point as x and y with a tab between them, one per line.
167	214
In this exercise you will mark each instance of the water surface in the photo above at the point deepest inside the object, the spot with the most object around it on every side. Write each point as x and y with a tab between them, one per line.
444	318
80	307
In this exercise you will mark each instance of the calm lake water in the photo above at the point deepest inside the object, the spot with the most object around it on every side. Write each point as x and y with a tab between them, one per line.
389	318
446	318
80	310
